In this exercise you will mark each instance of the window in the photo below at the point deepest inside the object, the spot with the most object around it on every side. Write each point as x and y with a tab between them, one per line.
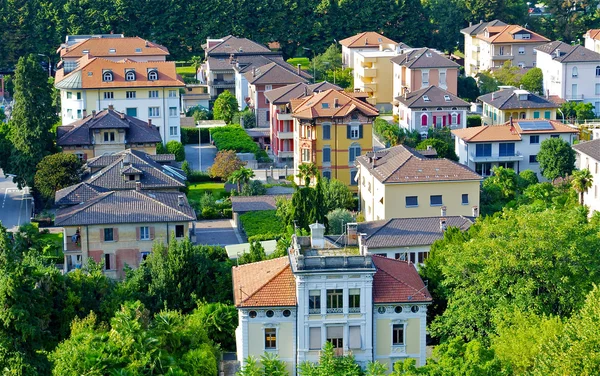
78	95
534	139
454	119
597	89
153	112
465	199
412	201
179	231
69	113
130	94
574	90
172	93
425	78
305	155
326	154
442	78
131	177
354	300
314	301
69	95
326	131
598	71
533	159
426	98
536	114
521	50
138	50
435	200
131	112
327	175
354	342
79	114
144	232
173	130
130	75
353	152
507	149
547	115
270	313
314	338
109	136
270	338
268	87
335	335
252	314
144	256
152	75
335	301
354	131
574	72
108	95
112	51
484	169
353	177
153	94
107	264
398	309
107	76
173	111
398	335
109	235
483	150
554	136
424	120
501	51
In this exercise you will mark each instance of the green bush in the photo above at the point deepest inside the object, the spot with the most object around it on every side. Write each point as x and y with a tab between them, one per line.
210	213
176	147
189	136
264	223
249	120
228	213
473	121
160	148
185	167
263	237
233	137
199	177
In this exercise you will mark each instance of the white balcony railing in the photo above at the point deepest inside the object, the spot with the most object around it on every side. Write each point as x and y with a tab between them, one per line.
495	157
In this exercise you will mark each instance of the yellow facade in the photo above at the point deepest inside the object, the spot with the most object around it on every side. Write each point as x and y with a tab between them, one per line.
285	339
386	353
493	115
373	74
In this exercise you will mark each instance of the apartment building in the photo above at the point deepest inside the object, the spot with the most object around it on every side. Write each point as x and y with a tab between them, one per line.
588	157
501	105
373	74
472	47
365	41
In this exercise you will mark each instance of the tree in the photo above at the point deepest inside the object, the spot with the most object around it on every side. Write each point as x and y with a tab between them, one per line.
255	254
508	74
526	179
306	172
337	220
250	368
225	107
176	148
376	369
225	163
245	118
241	176
32	119
584	111
329	60
388	133
556	158
337	195
253	188
443	149
467	88
533	81
5	145
582	180
272	365
487	82
220	321
56	171
330	364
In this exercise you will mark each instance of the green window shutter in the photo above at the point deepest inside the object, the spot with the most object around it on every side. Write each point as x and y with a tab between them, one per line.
536	114
348	130
547	115
360	131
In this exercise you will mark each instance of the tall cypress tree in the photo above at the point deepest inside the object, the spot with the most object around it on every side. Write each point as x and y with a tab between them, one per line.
33	117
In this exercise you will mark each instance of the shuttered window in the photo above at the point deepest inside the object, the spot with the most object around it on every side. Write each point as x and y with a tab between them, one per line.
354	342
326	131
314	335
326	155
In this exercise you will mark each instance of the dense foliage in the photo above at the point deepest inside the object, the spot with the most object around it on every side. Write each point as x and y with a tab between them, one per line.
56	171
176	148
233	137
225	107
225	164
264	223
556	158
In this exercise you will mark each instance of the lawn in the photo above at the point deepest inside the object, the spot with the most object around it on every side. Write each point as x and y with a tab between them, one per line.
303	61
186	71
196	191
263	224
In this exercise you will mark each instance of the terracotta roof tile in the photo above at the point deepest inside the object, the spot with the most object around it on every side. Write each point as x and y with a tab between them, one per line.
423	58
284	94
477	28
436	97
397	282
269	283
504	34
593	33
367	39
322	105
504	132
100	47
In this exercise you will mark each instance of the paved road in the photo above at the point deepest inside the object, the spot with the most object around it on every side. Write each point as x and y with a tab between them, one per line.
208	156
216	232
15	204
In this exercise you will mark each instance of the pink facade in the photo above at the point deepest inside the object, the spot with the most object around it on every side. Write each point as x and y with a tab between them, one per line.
260	104
413	78
282	131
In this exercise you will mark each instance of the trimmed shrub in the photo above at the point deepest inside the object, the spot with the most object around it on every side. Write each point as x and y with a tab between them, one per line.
262	223
176	148
233	137
473	121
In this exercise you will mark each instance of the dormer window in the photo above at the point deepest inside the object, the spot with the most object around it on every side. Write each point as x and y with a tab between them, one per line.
324	105
112	51
130	75
138	50
152	75
426	98
85	52
380	40
107	76
447	98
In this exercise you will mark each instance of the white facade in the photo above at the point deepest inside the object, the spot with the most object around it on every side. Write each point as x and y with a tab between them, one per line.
592	43
422	119
241	90
591	198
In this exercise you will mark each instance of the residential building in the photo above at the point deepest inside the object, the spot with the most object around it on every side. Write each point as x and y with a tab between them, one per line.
514	144
331	129
148	91
118	228
265	78
106	132
365	41
373	74
420	68
588	156
592	40
570	72
195	95
282	124
401	183
499	44
472	47
371	306
501	105
431	107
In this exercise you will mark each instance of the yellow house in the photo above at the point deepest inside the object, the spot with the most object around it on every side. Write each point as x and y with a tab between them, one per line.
374	75
371	306
401	183
472	47
501	105
331	129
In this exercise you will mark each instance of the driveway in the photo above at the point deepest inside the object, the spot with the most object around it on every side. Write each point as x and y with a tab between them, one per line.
208	156
217	232
15	204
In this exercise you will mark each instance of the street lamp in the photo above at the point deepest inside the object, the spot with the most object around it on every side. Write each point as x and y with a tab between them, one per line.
314	69
562	113
49	65
199	147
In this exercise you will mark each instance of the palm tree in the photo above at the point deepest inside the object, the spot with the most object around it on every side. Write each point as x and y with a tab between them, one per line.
241	176
307	171
581	182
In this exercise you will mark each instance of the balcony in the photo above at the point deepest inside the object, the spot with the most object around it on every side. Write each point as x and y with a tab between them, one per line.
496	158
221	83
285	154
475	48
370	87
72	247
372	100
285	135
281	116
576	97
502	57
369	72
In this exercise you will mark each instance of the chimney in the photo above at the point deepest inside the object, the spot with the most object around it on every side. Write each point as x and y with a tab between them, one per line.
111	107
93	113
253	72
558	52
149	122
429	147
475	211
511	121
335	103
146	43
366	41
443	211
317	235
122	116
84	113
493	96
547	93
126	160
138	186
180	200
306	91
298	69
470	23
443	224
352	230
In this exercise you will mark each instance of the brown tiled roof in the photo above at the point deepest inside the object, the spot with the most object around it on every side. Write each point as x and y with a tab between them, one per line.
590	148
508	99
231	44
243	204
269	283
423	58
298	90
100	47
367	39
397	282
504	34
593	33
76	194
80	132
504	132
477	28
322	105
400	164
273	73
436	98
127	207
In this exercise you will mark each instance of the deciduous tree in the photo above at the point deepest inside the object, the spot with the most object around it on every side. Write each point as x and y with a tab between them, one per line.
225	106
556	158
533	80
226	162
56	171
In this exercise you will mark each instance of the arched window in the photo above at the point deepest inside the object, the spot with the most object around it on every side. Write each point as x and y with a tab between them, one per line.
152	75
353	152
107	76
454	118
598	71
574	72
130	76
424	120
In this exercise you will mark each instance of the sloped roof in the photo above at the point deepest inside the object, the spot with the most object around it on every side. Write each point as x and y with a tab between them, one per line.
408	232
231	44
368	39
504	34
80	132
127	207
322	105
508	99
566	53
269	283
589	148
400	164
478	28
283	94
76	194
508	132
243	204
128	46
423	58
436	98
397	282
89	71
273	73
593	33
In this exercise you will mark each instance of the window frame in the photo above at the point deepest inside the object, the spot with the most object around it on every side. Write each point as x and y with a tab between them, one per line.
152	75
107	231
328	154
354	300
534	137
144	233
152	113
109	95
326	135
406	201
314	301
171	128
173	112
533	159
270	336
462	200
179	229
130	75
335	300
399	327
107	76
153	94
431	199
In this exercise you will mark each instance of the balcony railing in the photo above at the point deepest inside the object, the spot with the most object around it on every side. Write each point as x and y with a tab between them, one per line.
281	116
221	82
285	135
576	97
495	157
503	57
335	310
354	310
314	311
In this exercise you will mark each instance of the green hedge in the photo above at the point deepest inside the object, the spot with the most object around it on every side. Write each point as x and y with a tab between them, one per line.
473	121
233	137
263	225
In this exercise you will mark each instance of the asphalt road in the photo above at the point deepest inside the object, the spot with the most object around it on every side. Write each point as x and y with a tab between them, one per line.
208	156
15	204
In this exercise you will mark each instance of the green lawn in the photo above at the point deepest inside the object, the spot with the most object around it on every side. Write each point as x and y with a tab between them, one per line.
186	71
264	224
303	61
196	191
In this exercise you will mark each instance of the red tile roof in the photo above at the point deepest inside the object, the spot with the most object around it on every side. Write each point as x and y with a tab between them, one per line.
397	281
322	104
366	39
504	34
269	283
101	47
